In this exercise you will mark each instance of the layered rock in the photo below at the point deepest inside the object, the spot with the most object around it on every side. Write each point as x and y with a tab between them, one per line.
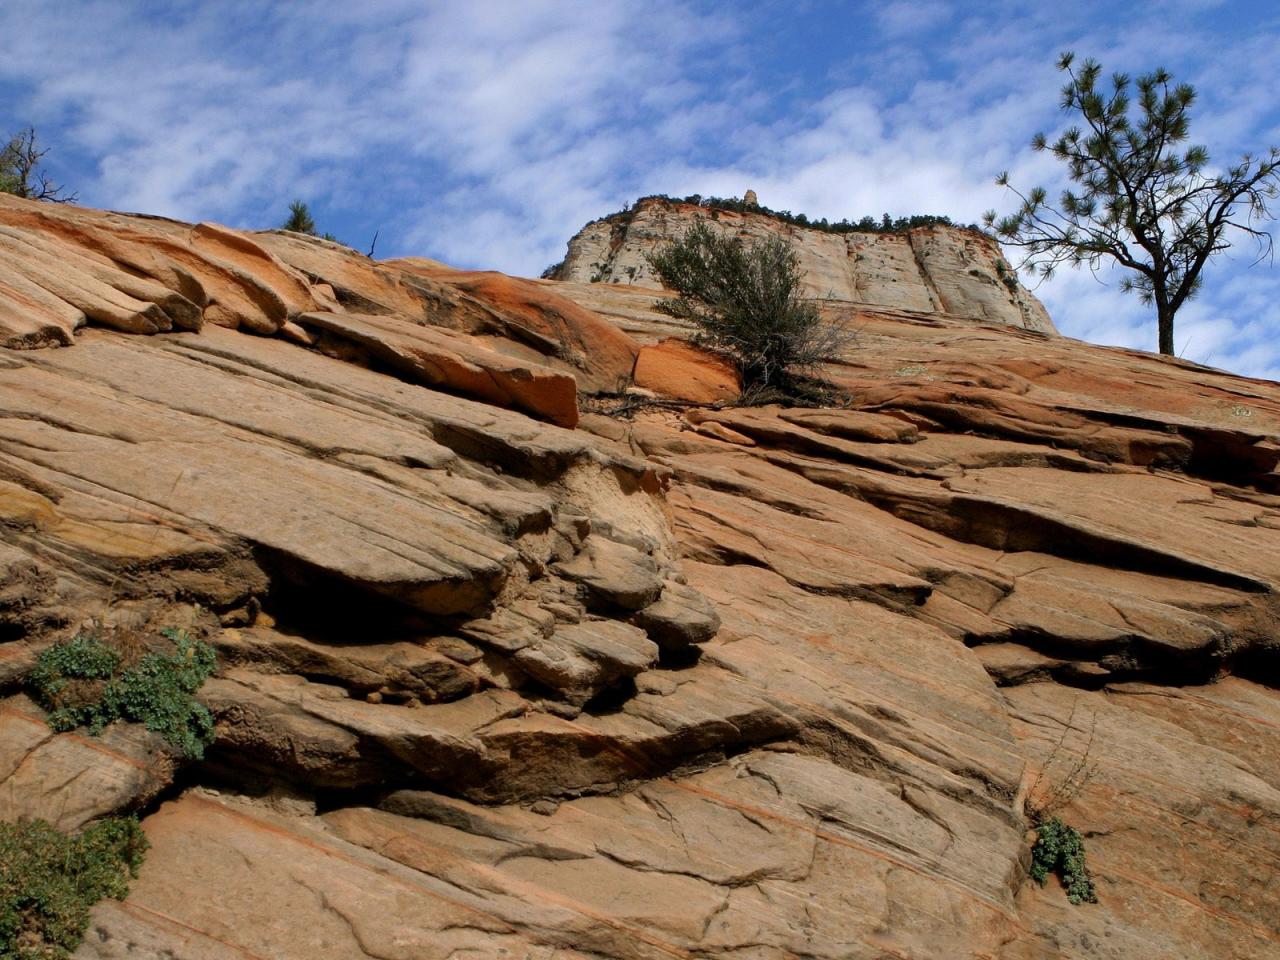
695	681
502	340
931	269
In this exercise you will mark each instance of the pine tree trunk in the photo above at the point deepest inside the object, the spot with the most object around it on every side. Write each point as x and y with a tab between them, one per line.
1164	318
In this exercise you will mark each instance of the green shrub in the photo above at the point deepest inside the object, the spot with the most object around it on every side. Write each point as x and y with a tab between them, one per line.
745	300
49	881
66	677
85	682
1060	849
300	219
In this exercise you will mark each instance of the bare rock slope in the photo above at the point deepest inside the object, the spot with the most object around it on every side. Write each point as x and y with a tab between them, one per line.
931	269
705	682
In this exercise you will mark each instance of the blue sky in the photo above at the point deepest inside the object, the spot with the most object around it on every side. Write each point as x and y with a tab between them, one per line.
485	133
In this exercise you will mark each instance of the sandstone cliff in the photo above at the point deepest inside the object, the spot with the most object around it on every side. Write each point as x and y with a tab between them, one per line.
755	683
932	269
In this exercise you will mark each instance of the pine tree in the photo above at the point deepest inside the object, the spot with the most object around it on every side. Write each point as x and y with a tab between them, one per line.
299	219
1141	199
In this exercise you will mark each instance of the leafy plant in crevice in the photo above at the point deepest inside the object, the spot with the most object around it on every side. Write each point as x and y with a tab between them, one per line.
1059	849
86	681
49	880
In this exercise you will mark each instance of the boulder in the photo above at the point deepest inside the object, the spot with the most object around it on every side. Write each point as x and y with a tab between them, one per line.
679	618
681	371
454	362
614	574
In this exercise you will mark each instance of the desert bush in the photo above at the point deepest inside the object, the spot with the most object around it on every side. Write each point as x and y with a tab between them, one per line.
21	173
1059	849
49	880
86	682
1065	773
745	300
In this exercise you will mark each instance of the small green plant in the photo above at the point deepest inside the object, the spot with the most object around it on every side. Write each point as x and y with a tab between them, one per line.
301	221
1060	849
87	682
49	880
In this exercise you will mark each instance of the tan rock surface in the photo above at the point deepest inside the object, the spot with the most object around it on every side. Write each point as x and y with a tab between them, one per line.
450	361
755	683
678	369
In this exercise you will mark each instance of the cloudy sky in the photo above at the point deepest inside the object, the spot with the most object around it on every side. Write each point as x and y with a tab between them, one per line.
484	133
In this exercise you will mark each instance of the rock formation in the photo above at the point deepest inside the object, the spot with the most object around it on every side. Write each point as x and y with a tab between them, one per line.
705	682
933	269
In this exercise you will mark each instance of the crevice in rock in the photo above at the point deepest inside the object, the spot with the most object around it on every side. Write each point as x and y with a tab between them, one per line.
316	604
612	699
1092	664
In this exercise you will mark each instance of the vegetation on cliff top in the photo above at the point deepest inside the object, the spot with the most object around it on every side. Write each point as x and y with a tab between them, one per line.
301	221
868	224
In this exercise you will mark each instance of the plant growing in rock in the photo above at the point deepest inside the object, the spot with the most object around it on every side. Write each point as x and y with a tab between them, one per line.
745	299
1060	849
1065	772
49	880
86	681
1007	276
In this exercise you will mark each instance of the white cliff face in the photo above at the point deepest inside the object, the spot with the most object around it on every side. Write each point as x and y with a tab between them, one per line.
933	269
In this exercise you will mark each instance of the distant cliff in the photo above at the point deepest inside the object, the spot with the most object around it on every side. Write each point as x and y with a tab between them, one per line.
929	269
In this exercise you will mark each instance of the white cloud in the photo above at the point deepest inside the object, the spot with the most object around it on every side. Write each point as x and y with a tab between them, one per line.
486	133
905	18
